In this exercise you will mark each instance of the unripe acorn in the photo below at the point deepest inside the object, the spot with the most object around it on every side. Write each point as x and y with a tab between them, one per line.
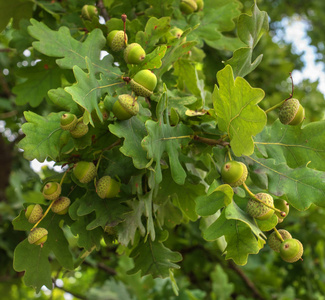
34	213
88	12
107	187
134	54
283	206
80	130
68	121
200	5
143	83
38	236
116	40
257	209
188	6
234	173
52	190
61	205
291	250
125	107
84	171
291	112
274	242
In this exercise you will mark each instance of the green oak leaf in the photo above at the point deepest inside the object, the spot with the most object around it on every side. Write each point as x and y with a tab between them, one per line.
235	103
148	208
169	215
63	100
109	212
210	203
154	30
152	257
132	224
165	138
302	186
240	243
88	89
250	30
71	52
269	224
234	212
87	239
33	259
43	135
39	79
295	145
133	131
18	9
222	287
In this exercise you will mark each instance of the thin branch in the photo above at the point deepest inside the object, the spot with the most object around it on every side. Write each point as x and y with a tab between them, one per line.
102	267
210	142
103	11
70	292
5	86
250	284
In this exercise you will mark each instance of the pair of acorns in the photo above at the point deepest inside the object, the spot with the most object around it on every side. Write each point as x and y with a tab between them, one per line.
235	174
189	6
290	249
85	172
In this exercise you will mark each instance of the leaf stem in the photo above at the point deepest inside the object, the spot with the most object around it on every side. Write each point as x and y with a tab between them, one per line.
208	141
275	106
278	235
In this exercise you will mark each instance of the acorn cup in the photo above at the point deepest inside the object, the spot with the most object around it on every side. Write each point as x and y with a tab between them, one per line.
134	54
143	83
68	121
61	205
291	250
116	41
125	107
188	6
88	12
274	241
84	171
234	173
38	236
52	190
291	112
107	187
80	130
33	213
257	209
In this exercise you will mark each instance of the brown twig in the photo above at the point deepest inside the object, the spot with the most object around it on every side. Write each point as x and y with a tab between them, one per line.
250	284
5	86
103	11
118	142
210	142
70	292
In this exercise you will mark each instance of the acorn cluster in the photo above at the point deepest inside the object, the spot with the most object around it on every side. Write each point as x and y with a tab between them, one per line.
262	207
84	172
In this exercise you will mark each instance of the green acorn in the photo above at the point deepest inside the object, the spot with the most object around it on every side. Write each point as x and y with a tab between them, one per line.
34	213
274	242
143	83
84	171
188	6
107	187
61	205
234	173
80	130
200	5
68	121
291	250
116	41
125	107
38	236
52	190
283	206
259	211
291	112
88	12
134	54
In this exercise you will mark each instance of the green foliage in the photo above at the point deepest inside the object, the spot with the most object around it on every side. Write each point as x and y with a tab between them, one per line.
174	230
